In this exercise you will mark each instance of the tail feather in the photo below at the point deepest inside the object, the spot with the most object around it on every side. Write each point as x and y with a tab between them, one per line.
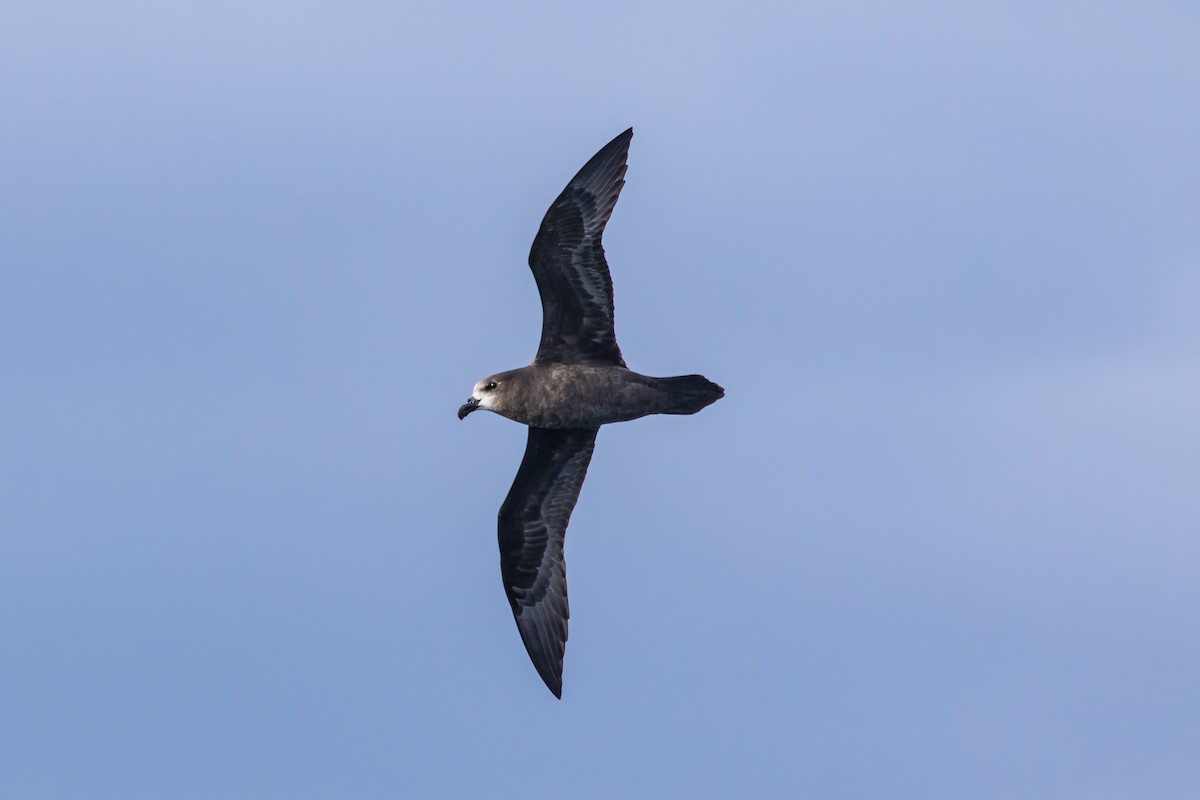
687	394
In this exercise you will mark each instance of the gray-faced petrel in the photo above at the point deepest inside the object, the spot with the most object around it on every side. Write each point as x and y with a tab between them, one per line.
577	382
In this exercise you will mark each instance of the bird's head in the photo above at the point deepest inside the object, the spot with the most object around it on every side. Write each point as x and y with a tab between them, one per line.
488	394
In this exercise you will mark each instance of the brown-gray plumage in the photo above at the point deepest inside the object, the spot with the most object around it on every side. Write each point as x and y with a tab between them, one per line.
577	382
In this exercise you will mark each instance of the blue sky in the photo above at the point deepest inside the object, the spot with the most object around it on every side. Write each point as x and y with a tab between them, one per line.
938	541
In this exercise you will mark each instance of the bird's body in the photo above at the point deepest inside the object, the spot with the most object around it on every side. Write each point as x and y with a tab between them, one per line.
577	382
583	395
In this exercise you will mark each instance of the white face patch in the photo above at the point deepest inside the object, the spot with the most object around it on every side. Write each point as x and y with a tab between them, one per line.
486	398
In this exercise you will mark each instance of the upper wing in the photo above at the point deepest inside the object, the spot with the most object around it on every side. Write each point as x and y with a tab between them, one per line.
533	523
568	264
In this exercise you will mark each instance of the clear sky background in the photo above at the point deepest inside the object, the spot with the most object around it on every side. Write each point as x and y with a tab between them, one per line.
940	540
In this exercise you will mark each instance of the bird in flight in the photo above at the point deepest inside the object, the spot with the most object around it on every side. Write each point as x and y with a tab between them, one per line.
577	382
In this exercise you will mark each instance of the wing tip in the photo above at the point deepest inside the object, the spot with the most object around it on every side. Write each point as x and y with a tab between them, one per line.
621	140
548	661
606	169
546	646
549	669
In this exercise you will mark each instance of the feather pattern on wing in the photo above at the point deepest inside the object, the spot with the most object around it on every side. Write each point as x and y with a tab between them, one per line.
568	264
532	529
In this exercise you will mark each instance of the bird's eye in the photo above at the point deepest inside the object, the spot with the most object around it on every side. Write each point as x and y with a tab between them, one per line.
491	385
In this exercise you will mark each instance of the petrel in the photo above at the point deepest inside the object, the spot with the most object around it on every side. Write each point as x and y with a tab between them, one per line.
577	382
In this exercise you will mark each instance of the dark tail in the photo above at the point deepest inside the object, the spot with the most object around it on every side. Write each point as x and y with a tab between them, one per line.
687	394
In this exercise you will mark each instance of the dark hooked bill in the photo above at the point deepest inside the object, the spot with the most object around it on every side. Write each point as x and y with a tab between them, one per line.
466	408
